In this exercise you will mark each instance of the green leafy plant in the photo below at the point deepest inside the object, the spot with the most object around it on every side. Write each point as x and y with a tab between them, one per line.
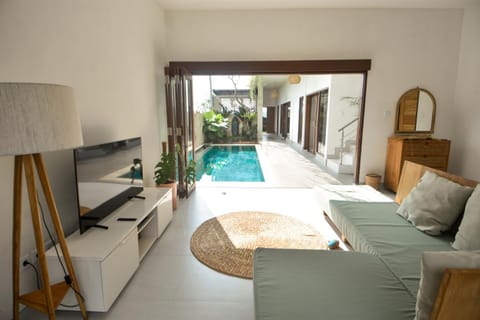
165	169
214	126
190	172
353	101
225	111
248	117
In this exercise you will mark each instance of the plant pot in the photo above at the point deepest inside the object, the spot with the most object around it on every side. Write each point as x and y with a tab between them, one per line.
173	186
373	180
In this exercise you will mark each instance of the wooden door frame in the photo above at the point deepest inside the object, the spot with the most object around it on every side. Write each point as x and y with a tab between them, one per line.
320	110
300	119
277	119
274	67
361	66
179	96
270	119
284	119
308	128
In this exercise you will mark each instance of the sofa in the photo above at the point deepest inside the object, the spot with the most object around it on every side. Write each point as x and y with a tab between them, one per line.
381	276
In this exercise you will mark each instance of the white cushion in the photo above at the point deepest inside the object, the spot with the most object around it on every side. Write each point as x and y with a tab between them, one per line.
433	267
434	204
468	235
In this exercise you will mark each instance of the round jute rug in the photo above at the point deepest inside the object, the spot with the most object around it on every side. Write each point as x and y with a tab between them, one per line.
226	243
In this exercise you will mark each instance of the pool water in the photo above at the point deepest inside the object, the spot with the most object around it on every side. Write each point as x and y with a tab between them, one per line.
230	163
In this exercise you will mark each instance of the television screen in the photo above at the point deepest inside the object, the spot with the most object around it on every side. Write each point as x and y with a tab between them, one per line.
108	175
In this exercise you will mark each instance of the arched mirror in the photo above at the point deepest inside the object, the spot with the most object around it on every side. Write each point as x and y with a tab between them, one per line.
415	112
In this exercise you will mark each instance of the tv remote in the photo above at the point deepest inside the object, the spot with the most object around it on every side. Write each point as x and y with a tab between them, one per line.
127	219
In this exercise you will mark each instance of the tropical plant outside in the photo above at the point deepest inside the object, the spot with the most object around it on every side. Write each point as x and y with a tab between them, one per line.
214	127
232	117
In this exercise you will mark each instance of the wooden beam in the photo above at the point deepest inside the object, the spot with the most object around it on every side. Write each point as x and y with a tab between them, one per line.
274	67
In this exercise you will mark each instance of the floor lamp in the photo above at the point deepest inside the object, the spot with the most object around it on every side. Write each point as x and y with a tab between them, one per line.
36	118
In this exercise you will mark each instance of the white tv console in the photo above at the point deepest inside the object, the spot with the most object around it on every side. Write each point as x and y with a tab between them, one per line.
105	259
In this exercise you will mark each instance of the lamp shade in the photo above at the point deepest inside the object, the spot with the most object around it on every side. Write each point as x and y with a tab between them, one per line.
36	117
294	79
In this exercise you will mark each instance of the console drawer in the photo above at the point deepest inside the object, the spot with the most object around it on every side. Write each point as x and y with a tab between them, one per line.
118	267
100	281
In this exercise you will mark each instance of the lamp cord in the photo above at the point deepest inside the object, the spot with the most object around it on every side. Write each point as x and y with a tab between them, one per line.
67	277
37	278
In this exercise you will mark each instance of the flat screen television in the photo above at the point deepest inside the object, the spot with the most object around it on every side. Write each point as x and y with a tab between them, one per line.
107	176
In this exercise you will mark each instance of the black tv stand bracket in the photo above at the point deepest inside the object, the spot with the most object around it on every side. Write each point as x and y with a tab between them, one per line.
98	226
137	197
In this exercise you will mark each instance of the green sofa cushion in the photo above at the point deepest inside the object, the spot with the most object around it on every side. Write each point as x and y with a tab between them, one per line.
375	228
316	284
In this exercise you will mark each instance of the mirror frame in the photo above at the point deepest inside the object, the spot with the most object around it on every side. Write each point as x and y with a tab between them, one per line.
399	107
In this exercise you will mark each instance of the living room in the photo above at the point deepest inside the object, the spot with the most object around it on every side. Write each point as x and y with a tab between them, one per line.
113	54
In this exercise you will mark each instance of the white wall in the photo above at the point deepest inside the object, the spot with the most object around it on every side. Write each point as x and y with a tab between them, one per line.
270	97
112	53
341	112
465	152
199	139
292	92
408	48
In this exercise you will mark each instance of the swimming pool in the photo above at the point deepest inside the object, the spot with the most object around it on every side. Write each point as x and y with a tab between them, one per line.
229	163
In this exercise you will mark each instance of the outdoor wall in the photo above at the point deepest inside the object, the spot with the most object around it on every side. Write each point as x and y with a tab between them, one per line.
270	97
260	104
292	92
111	53
198	138
465	149
408	48
340	111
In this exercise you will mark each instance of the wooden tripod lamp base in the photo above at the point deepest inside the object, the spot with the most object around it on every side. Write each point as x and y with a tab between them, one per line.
47	298
35	118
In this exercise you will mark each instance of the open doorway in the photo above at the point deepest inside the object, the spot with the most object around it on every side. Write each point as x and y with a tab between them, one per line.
316	122
270	119
296	115
285	120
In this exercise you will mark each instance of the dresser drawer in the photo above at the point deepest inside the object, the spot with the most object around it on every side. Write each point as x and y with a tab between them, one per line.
427	147
439	163
433	153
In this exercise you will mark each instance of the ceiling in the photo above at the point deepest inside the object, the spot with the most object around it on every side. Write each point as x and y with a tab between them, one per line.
306	4
274	81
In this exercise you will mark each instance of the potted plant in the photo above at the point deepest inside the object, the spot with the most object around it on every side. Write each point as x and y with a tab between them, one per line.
189	172
164	173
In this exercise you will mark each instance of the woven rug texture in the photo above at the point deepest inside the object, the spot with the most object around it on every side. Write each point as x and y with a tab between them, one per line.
226	243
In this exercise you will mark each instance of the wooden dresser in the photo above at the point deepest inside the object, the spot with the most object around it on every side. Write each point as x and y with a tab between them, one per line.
426	151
